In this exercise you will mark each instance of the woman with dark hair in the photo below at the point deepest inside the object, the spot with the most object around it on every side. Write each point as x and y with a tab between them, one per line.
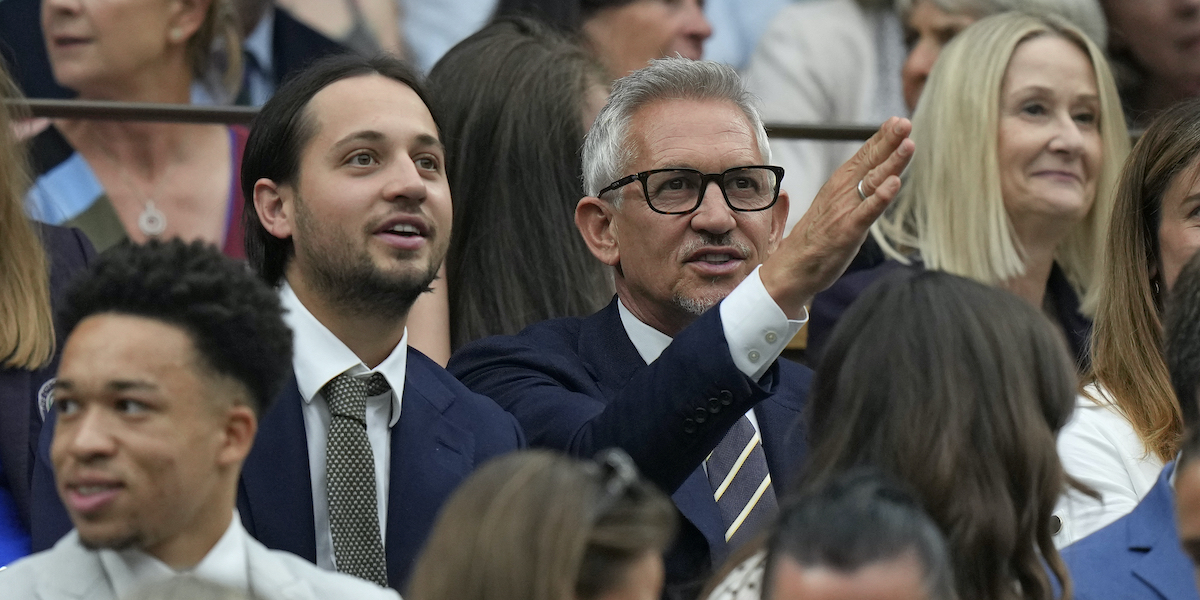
1128	423
623	34
514	101
1154	53
955	389
536	525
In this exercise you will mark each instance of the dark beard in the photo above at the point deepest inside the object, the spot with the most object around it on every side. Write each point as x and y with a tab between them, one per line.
362	290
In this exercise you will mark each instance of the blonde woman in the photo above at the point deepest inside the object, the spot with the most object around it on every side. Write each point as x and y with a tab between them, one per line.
119	180
36	262
1128	422
1019	141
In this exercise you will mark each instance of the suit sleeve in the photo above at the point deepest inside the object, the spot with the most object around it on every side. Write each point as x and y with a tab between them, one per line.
668	415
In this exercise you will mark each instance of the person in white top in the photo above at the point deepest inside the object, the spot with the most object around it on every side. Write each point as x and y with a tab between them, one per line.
174	352
1128	423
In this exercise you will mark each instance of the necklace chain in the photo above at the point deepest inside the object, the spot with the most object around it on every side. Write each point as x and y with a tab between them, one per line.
152	222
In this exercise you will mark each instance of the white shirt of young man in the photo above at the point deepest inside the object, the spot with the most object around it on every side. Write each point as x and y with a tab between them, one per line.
756	330
318	357
225	564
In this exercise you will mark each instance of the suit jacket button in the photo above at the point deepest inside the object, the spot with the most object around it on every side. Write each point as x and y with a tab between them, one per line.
701	415
689	426
726	397
714	405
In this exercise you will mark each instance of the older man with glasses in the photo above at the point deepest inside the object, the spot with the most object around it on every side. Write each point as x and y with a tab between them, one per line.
689	216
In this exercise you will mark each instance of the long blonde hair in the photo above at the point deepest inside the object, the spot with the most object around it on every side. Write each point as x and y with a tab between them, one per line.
1127	339
951	211
26	319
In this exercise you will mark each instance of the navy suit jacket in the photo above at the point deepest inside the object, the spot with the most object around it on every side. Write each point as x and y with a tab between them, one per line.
1137	556
579	385
445	431
69	253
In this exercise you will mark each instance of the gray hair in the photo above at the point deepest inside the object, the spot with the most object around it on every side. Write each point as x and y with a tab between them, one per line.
606	150
1087	15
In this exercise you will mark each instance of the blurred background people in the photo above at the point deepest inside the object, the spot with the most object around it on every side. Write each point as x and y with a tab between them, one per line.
275	44
862	61
955	389
1140	554
537	525
1127	423
1155	50
859	536
36	263
623	34
119	180
514	102
364	26
1019	142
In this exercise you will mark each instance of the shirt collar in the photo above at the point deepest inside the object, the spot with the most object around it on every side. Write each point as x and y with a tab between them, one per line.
649	341
318	355
224	564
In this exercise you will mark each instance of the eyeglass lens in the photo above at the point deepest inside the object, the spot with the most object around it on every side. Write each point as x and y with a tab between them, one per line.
747	188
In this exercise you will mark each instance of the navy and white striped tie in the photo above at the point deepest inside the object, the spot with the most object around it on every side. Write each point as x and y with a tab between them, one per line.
737	471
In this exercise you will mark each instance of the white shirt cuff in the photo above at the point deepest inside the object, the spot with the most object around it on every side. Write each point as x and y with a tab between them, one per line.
756	329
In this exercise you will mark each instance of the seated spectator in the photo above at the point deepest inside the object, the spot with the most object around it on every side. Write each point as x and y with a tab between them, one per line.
364	26
845	61
1020	140
537	525
173	353
514	102
1154	54
955	389
1187	504
275	46
39	260
680	370
119	180
624	34
1139	556
860	537
1127	422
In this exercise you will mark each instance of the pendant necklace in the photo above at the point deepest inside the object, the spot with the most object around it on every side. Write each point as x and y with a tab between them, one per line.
152	222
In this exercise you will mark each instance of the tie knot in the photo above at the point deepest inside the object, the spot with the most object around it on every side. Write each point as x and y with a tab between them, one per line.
347	395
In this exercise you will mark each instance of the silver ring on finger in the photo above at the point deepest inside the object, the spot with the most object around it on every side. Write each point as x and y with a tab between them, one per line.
861	194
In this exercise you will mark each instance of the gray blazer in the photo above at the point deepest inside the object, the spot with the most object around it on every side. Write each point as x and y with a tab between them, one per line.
68	571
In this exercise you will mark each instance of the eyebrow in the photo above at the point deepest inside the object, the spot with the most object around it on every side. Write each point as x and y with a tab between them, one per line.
1041	89
119	385
370	135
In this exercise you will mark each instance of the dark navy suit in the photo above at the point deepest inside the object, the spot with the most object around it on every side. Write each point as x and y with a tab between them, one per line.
1137	556
445	431
579	385
69	253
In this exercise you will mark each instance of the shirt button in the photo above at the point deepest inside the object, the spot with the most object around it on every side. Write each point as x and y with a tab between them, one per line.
1055	525
771	337
754	356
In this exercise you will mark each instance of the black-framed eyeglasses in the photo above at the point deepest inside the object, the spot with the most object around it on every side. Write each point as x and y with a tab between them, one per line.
681	191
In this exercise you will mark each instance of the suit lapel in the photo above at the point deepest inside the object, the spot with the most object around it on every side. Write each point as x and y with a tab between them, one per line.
78	573
607	352
270	579
430	457
275	495
1152	533
782	437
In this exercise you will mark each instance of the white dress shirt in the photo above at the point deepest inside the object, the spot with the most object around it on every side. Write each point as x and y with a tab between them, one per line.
756	330
225	564
318	357
1099	447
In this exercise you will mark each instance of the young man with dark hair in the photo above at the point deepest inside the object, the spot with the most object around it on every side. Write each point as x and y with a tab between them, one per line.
1140	555
349	213
174	353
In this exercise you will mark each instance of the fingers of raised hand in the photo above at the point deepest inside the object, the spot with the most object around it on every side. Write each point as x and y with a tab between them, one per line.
881	147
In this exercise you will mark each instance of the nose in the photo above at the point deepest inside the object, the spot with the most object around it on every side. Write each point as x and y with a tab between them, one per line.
696	25
1068	138
917	68
85	438
713	215
405	182
52	7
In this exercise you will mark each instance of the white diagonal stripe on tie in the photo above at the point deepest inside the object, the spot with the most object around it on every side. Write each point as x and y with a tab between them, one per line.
749	507
736	466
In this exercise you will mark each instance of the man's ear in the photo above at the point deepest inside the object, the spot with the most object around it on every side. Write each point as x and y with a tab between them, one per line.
187	17
240	427
594	218
276	207
779	216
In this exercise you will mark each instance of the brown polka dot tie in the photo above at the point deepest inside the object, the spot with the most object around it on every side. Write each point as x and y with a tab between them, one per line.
350	478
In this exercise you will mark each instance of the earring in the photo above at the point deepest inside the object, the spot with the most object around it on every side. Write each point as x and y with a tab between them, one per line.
176	35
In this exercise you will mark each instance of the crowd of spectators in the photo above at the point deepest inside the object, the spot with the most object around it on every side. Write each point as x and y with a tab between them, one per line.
513	299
